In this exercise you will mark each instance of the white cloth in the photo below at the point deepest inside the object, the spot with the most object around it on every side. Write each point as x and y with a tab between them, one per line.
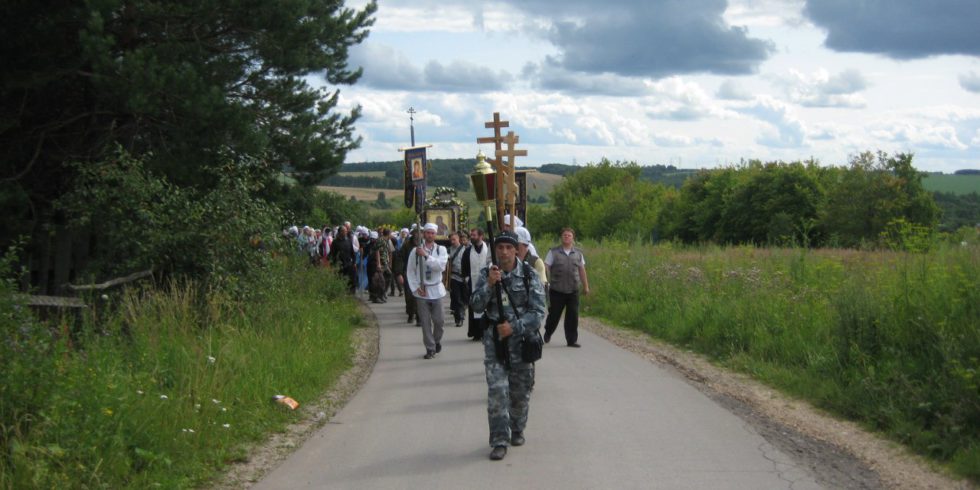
517	221
427	272
524	236
478	260
430	227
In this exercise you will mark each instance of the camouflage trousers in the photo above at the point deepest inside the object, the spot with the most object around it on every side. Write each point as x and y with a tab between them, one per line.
508	398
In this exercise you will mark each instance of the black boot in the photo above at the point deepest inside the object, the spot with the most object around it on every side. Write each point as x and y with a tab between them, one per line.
498	453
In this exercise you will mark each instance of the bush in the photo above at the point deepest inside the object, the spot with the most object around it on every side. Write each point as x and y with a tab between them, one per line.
142	221
169	388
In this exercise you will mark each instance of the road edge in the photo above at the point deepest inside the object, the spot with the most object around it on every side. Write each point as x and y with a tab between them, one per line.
265	456
796	427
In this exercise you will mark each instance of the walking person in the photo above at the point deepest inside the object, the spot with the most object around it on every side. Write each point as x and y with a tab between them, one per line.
475	258
387	260
510	377
426	263
458	296
566	275
411	308
526	253
342	256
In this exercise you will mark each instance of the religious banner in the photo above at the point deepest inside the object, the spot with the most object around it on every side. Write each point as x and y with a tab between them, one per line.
420	198
415	164
409	189
415	168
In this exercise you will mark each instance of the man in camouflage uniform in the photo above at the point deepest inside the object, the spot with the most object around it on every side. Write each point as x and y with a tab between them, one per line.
509	377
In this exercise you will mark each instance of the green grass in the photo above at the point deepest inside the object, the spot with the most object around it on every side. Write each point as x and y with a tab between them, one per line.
169	388
956	184
891	340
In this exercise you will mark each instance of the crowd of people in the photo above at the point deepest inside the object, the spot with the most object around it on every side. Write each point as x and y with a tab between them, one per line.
504	303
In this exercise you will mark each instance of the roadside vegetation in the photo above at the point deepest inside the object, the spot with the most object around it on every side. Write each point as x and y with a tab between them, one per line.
890	339
162	387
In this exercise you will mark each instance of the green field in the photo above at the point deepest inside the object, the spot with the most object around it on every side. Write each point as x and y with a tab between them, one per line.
956	184
379	174
889	339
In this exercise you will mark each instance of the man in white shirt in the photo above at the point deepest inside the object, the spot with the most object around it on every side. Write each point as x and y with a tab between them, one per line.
424	273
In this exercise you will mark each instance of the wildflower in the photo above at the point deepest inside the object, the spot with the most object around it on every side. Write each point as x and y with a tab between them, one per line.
211	359
107	412
189	431
139	392
227	426
216	402
223	409
197	406
164	397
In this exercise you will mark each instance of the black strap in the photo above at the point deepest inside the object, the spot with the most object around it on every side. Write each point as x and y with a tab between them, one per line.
527	287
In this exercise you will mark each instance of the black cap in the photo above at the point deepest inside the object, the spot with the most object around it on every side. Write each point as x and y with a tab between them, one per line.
505	237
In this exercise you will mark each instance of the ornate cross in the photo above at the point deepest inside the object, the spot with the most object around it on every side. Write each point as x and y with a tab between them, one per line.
505	171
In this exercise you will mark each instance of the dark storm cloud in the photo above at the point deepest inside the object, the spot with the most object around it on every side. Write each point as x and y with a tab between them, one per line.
652	38
548	75
388	69
900	29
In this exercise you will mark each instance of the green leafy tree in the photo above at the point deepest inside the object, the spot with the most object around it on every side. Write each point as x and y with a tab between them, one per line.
608	199
187	87
874	191
769	202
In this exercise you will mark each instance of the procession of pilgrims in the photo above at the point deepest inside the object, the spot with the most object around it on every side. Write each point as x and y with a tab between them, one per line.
374	261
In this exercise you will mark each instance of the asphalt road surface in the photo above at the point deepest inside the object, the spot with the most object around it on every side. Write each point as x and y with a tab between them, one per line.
600	417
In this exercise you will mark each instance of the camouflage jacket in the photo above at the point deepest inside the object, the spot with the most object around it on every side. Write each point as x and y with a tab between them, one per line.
530	302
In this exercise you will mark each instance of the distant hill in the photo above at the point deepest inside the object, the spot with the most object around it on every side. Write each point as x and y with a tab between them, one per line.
454	172
665	174
960	183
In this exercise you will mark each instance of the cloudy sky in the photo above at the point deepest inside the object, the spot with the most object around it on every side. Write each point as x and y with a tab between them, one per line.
693	83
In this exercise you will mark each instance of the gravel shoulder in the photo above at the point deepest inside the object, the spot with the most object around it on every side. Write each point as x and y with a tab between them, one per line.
841	454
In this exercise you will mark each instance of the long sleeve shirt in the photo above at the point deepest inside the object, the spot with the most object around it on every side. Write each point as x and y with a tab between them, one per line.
427	271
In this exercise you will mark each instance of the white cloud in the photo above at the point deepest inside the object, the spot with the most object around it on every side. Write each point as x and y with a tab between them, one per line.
680	100
920	136
786	130
731	90
820	89
764	13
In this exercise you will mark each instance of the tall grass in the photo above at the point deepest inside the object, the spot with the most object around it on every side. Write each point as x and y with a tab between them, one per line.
889	339
170	386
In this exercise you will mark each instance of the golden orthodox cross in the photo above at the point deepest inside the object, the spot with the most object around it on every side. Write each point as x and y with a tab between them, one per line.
506	186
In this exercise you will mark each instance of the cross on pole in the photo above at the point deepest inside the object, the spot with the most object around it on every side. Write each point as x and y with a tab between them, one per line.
509	171
496	139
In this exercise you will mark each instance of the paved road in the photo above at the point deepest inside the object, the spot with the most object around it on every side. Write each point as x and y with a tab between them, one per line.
600	417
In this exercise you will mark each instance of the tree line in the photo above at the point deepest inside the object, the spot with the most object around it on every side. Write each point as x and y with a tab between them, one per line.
877	199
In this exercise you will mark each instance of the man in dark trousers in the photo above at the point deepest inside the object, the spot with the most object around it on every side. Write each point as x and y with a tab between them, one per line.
566	274
475	258
342	257
513	317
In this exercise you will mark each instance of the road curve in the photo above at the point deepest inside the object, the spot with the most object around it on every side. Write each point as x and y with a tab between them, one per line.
600	417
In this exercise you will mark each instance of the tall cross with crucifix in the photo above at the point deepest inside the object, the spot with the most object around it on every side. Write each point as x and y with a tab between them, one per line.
506	186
